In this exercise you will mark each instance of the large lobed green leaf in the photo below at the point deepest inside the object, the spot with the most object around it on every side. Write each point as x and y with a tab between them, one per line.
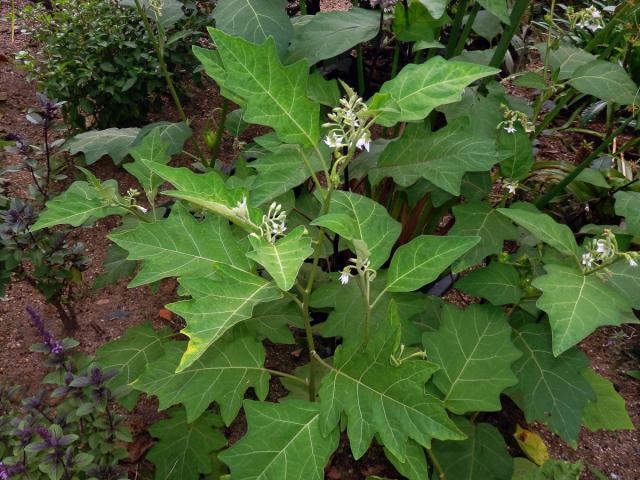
114	142
418	89
628	206
379	398
184	450
180	246
344	29
441	157
482	456
80	204
607	81
283	442
608	411
479	219
474	350
255	20
283	258
551	389
577	304
218	305
423	259
151	149
273	95
544	228
499	283
222	374
131	354
358	218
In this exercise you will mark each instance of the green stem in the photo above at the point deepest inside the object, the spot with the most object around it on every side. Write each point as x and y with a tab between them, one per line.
559	187
436	464
157	43
287	376
321	361
215	148
548	118
360	62
467	30
307	297
517	12
303	7
545	68
365	288
455	28
396	58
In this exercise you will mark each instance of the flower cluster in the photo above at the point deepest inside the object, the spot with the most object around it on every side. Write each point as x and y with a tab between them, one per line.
603	251
386	5
274	223
359	267
348	126
589	19
54	346
511	117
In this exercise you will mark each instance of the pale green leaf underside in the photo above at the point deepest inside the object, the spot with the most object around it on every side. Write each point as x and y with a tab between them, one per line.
114	142
423	259
222	374
418	89
474	350
80	204
577	304
180	246
217	306
346	29
283	442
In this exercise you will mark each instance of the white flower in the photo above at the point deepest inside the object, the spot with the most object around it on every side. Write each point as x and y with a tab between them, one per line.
602	247
141	208
588	260
344	278
510	129
241	209
511	187
333	140
364	141
632	262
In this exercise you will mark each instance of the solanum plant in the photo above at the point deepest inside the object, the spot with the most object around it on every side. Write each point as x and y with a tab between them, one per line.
322	229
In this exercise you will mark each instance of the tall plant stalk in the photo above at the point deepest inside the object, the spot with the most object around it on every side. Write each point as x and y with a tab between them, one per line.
158	46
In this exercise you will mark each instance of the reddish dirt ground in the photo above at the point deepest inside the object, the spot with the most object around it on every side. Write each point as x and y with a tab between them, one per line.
116	308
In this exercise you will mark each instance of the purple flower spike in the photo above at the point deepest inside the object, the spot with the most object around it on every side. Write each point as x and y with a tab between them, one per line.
47	337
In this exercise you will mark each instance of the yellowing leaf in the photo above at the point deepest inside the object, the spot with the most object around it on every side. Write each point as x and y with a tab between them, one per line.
532	445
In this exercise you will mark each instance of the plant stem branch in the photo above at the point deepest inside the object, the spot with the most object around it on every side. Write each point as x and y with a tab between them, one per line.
455	28
436	464
467	29
287	376
559	187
